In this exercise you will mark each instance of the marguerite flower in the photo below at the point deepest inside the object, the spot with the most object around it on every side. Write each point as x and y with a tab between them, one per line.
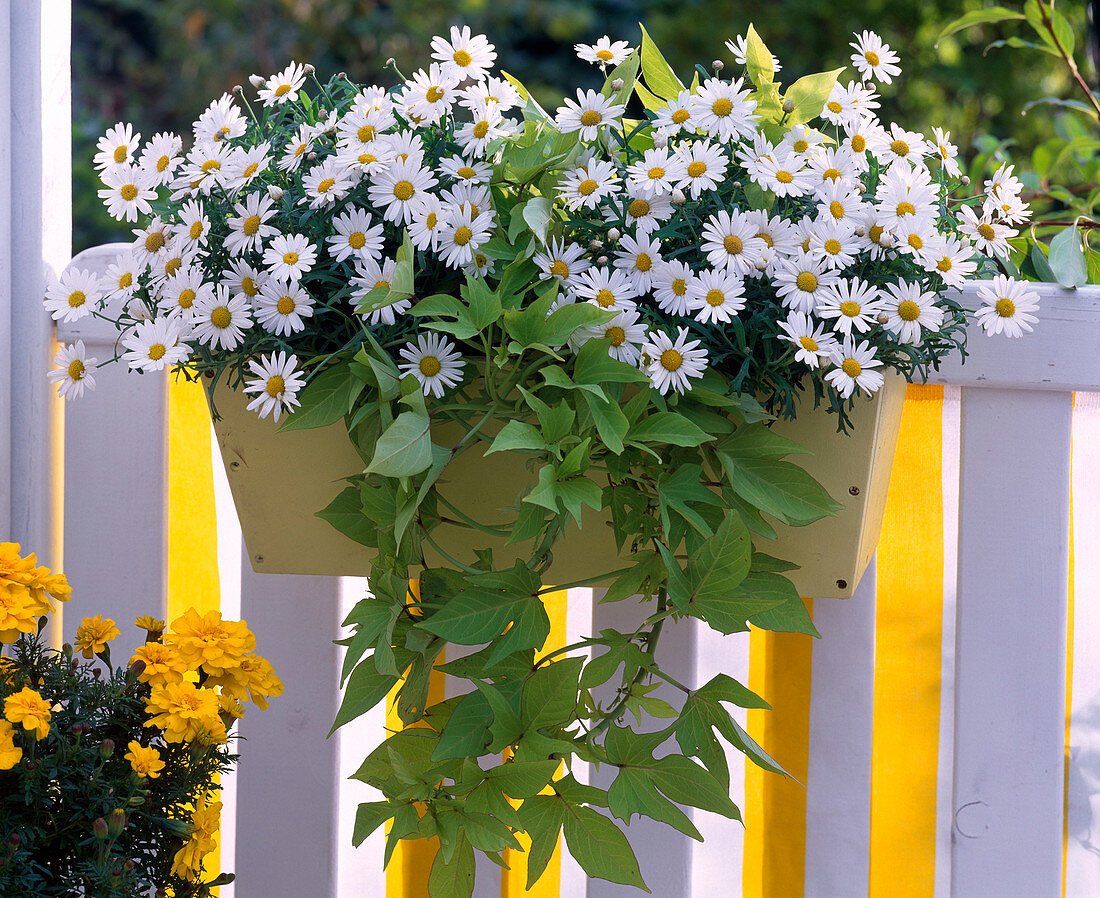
730	242
428	96
724	110
466	171
904	146
855	368
704	167
910	311
160	157
990	237
584	186
154	345
738	46
833	243
397	188
372	276
676	116
128	192
851	304
465	55
625	334
716	296
463	234
953	260
672	281
947	152
246	165
813	345
72	296
116	147
356	235
562	260
784	174
655	173
638	258
1006	308
276	384
801	281
873	58
121	278
222	120
328	182
434	361
281	306
194	223
248	228
604	52
71	374
588	114
179	293
610	289
283	87
671	363
219	321
244	279
289	257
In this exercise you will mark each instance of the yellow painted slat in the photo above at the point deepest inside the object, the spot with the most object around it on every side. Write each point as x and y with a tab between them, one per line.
1069	671
775	806
908	646
192	523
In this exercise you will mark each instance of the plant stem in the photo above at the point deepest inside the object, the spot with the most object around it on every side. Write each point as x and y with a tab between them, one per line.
1068	57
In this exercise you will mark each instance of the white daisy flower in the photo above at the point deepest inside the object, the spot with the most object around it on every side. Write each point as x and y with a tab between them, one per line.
801	281
1009	209
724	110
716	296
776	232
910	311
154	345
283	87
128	192
863	137
71	374
872	234
406	146
604	52
463	233
804	140
704	166
562	260
248	228
1002	182
221	120
645	215
739	48
245	165
151	243
116	147
465	55
428	96
656	173
372	276
474	197
670	363
360	128
397	189
490	92
206	166
326	183
428	223
177	255
729	241
873	58
672	281
298	149
990	237
220	320
625	334
180	292
833	166
194	224
243	279
906	193
839	201
481	266
281	306
833	243
947	152
488	125
588	114
610	289
374	97
434	361
466	171
288	257
855	364
813	345
676	116
638	257
904	146
1006	308
584	186
276	384
160	157
850	104
367	160
917	237
784	174
356	235
73	296
121	278
850	304
953	260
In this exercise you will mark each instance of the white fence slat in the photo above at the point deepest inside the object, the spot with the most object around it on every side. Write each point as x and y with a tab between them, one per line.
838	787
1010	643
7	266
287	779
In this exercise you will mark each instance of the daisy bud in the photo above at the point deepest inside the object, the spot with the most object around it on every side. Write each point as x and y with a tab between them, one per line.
966	180
311	156
343	76
595	244
602	260
106	748
391	62
238	90
860	232
660	141
15	840
614	234
276	193
788	106
116	823
717	64
882	318
737	184
678	198
309	68
257	80
617	84
99	828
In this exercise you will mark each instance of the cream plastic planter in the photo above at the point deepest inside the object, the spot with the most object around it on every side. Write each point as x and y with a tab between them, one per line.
280	480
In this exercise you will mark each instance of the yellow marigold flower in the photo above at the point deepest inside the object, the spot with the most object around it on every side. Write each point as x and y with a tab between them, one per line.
144	760
30	709
185	713
153	627
23	576
94	633
163	664
231	708
19	613
252	680
187	863
206	640
10	753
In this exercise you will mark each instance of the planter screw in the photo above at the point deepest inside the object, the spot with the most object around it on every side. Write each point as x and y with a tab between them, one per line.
854	490
841	584
234	465
259	559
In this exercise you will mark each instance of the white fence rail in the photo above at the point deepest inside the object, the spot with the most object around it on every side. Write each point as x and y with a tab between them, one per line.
1007	514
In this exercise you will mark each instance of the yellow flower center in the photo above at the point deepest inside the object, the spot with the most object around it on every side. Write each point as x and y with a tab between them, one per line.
429	366
900	147
697	169
379	285
172	266
986	230
656	173
357	239
211	165
680	116
249	286
162	163
128	192
251	169
76	369
643	262
367	133
908	310
800	146
196	230
431	221
559	268
679	286
186	298
275	386
251	225
859	143
326	185
481	129
463	235
767	238
871	56
849	309
806	282
77	299
851	367
290	258
590	118
605	299
836	209
285	305
945	264
715	297
834	106
638	208
154	242
875	233
462	58
1006	308
808	343
616	335
721	107
120	154
732	244
126	280
434	94
403	190
587	187
221	317
831	174
282	90
915	241
784	177
605	55
301	148
905	208
671	360
466	172
832	247
157	351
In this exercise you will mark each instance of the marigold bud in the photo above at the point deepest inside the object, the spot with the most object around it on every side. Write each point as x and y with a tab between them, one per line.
117	822
106	748
99	828
67	651
617	84
136	670
15	840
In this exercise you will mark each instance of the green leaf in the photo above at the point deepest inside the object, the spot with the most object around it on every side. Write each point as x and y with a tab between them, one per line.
405	447
722	563
550	694
759	441
345	513
791	616
1067	257
326	399
368	817
980	17
758	59
658	74
477	615
611	423
366	687
542	817
781	489
559	327
529	630
633	792
600	847
518	779
593	365
453	878
667	427
466	733
627	70
808	94
538	212
518	435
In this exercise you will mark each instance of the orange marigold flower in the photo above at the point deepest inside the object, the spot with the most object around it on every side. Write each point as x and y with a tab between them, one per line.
30	709
187	863
19	613
153	627
253	679
207	641
163	664
144	760
185	712
94	633
10	753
